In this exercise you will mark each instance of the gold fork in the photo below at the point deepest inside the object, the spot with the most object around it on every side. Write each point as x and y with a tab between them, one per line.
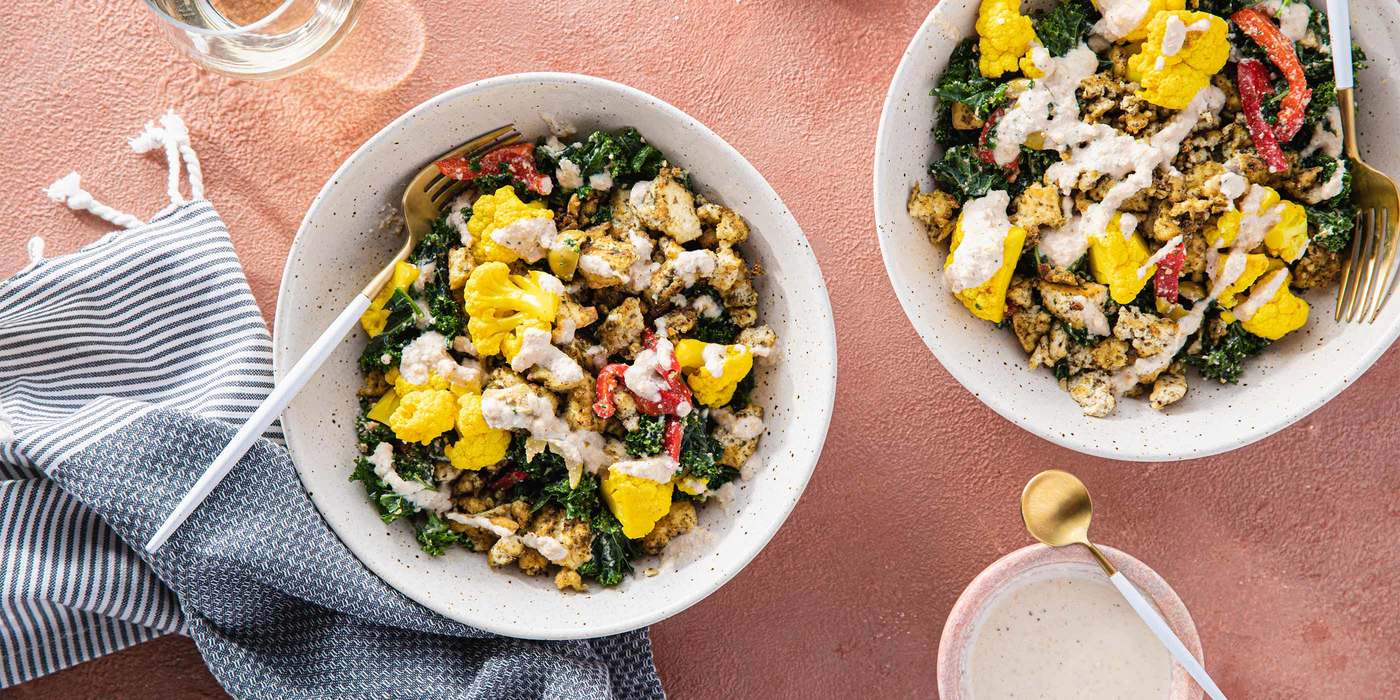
1369	273
427	194
430	192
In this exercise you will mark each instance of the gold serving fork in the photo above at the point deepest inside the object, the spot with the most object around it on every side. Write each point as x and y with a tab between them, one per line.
1369	273
425	198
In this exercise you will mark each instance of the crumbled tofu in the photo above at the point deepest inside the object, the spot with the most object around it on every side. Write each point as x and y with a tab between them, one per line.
1149	334
680	520
1093	392
1038	206
938	210
737	448
1168	388
665	205
621	333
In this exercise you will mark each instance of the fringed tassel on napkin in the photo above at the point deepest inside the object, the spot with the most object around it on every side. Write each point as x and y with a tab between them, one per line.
173	137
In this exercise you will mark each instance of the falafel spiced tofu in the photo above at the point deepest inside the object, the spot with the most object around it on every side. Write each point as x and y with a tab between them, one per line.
1133	187
561	372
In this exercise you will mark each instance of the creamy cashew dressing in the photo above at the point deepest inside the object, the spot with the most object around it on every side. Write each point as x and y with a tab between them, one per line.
692	265
980	253
1162	252
1246	309
1174	36
745	428
425	273
427	355
1059	633
415	492
547	546
537	349
518	408
715	355
1049	108
568	174
644	377
659	468
1090	314
481	522
1292	16
1329	189
1121	17
1327	136
642	267
598	267
530	238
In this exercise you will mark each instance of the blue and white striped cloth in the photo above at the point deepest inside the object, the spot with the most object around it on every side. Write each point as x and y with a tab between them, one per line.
123	369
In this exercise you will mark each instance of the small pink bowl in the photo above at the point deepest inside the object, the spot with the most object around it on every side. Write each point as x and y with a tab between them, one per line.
961	627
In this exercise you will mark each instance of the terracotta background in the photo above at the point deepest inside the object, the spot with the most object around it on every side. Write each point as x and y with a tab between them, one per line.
1286	552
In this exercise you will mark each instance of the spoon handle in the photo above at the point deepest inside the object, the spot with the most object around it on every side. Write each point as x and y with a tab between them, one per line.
1165	634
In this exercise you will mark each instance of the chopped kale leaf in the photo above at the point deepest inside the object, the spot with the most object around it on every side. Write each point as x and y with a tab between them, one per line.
963	82
1065	25
1223	360
648	438
435	537
386	349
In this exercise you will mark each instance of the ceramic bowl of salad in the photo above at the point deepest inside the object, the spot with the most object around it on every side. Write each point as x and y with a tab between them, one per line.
592	393
1121	224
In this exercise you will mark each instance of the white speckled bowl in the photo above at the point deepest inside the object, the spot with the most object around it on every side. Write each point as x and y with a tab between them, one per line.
973	606
338	248
1293	378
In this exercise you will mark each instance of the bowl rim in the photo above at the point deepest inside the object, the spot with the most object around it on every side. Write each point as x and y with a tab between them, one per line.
1004	405
801	472
958	632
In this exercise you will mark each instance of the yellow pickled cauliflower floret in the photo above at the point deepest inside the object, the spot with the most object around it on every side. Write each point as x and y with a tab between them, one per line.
1005	35
692	486
1121	11
383	408
374	318
1281	315
1288	239
500	306
710	390
493	211
1115	260
1172	80
424	415
478	445
636	502
1255	265
403	386
988	300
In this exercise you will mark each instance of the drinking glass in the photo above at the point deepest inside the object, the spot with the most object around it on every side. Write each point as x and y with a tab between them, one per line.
256	39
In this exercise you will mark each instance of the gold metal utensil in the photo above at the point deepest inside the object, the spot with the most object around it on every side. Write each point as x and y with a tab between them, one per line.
430	192
427	195
1369	274
1057	510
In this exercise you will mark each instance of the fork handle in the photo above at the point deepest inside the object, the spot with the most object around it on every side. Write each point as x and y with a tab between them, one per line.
1339	26
266	412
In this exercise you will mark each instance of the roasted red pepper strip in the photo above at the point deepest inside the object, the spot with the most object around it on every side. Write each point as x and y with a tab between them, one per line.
1252	79
509	479
675	432
673	395
1013	169
1284	56
604	405
1164	283
519	161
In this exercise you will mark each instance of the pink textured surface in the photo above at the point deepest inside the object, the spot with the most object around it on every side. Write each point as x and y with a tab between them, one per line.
1285	553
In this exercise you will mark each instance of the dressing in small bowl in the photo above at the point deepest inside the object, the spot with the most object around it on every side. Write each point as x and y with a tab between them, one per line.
1046	623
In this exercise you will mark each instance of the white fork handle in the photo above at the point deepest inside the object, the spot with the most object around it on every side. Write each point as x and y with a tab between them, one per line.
1339	26
267	412
1165	634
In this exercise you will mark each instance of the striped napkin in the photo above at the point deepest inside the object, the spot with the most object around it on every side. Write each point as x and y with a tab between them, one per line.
124	369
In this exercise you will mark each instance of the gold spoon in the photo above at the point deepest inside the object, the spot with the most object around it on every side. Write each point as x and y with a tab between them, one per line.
1057	510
